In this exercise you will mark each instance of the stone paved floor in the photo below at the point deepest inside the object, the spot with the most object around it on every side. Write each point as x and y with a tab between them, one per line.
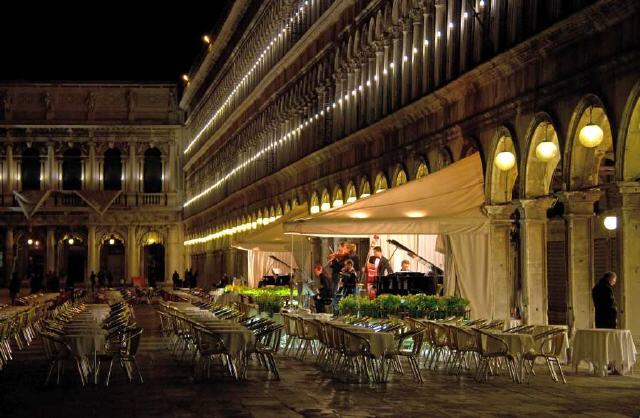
303	391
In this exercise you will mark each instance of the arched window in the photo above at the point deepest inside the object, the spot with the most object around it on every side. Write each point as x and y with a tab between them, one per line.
112	170
72	169
380	184
30	169
314	206
351	194
152	171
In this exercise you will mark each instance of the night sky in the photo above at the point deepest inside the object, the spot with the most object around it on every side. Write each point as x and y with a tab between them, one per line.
112	41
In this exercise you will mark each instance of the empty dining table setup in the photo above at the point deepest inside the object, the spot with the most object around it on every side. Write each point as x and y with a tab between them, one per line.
88	335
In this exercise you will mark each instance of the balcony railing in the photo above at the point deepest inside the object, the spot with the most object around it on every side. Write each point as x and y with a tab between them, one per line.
65	199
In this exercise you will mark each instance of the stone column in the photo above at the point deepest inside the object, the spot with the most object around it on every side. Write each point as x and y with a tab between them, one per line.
132	250
132	180
502	269
92	251
172	172
629	239
91	174
49	172
50	246
8	254
174	251
533	248
10	181
578	213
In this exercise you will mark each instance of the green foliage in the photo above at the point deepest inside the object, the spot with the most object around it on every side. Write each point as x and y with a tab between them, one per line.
417	306
282	291
269	303
268	299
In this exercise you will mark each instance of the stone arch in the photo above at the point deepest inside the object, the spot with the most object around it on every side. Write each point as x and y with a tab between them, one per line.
365	187
399	176
380	184
421	170
538	174
628	145
351	194
582	165
499	184
272	214
337	196
469	146
325	200
314	203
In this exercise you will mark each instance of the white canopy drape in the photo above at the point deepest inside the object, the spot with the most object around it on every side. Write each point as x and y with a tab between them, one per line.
448	203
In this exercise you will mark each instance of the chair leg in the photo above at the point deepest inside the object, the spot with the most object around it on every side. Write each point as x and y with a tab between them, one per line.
109	373
135	365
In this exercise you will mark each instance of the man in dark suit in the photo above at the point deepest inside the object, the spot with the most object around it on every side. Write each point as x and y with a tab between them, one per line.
383	266
605	302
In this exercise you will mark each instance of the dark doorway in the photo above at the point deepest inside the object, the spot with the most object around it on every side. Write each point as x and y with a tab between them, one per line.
152	171
72	170
154	263
112	176
112	259
30	169
75	267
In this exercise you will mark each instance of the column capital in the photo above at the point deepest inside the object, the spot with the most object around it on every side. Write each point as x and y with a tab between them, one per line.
500	212
629	193
534	209
579	202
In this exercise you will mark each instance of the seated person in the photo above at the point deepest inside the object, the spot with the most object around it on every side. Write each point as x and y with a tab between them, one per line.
405	266
348	279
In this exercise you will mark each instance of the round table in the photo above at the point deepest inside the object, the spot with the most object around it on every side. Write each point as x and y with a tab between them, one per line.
601	347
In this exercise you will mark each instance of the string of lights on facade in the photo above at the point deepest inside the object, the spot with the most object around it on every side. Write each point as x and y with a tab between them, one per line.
245	78
291	134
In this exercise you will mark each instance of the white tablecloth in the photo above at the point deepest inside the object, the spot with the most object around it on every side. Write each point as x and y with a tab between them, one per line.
379	342
518	344
602	347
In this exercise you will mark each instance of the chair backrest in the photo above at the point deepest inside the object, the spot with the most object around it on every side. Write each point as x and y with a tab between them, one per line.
440	335
491	344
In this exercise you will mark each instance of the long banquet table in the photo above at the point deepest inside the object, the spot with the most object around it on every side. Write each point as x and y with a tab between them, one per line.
85	336
237	339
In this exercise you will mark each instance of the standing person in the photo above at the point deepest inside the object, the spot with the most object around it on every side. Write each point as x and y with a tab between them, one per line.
194	279
336	260
109	277
92	279
382	264
14	287
175	278
604	301
322	288
352	254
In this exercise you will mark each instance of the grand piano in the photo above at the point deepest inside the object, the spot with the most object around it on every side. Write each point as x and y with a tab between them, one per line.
410	282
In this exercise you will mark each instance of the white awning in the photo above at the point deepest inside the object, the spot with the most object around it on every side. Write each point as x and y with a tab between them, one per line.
271	237
448	201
